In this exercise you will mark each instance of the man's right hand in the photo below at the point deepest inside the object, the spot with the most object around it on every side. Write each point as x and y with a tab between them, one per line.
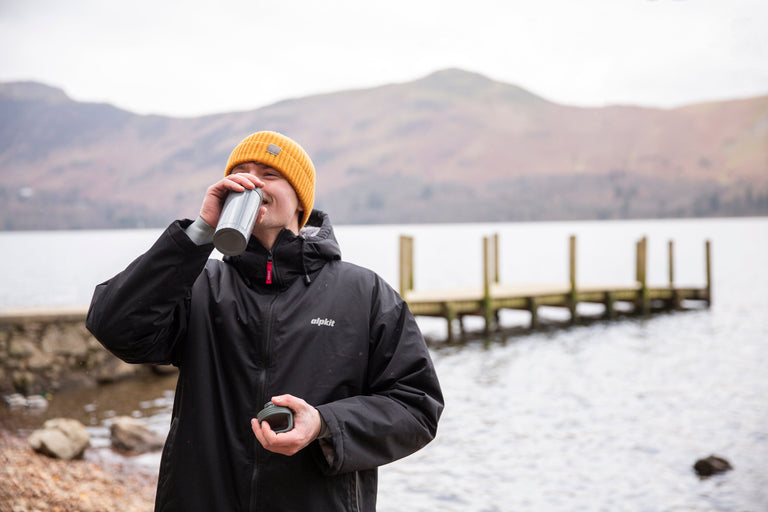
213	202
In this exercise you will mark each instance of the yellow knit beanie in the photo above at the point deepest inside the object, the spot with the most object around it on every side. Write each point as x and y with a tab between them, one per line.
285	155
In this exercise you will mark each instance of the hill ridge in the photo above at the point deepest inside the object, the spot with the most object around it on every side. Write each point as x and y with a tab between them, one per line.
392	153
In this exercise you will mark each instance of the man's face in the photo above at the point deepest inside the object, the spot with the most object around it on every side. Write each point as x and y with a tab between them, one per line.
283	209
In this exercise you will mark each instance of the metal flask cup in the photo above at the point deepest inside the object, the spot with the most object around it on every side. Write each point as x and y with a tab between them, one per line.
236	223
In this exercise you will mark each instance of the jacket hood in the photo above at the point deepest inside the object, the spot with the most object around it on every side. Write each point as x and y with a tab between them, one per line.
292	256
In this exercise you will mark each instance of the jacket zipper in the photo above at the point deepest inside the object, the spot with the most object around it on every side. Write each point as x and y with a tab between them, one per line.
357	491
260	397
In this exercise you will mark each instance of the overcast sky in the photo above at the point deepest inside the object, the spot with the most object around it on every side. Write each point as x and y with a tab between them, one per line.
193	57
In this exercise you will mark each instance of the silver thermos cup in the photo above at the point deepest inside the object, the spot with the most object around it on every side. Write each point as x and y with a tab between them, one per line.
236	222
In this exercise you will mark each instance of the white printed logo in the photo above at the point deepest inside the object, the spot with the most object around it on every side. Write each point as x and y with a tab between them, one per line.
323	321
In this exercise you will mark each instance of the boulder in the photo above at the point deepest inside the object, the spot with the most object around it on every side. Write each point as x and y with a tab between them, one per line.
711	465
113	369
129	434
61	438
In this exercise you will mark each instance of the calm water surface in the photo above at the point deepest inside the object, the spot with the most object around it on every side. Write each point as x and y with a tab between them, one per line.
605	417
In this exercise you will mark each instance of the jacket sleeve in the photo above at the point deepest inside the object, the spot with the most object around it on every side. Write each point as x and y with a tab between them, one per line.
399	413
140	315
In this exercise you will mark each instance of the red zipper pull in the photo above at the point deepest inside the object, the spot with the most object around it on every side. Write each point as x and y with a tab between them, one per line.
269	270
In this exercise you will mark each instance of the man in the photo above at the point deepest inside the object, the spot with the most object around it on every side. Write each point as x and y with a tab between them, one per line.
286	321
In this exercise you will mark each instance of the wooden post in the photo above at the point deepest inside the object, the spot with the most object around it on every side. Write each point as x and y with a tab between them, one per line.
572	303
533	307
671	247
486	269
642	298
610	310
487	312
708	251
406	264
450	316
496	258
675	302
497	274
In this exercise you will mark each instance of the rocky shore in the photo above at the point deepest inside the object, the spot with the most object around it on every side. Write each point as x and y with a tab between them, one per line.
32	482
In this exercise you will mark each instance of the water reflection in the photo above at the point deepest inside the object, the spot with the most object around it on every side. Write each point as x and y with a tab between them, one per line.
147	398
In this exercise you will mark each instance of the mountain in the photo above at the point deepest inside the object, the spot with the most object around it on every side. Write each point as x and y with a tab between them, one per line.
452	146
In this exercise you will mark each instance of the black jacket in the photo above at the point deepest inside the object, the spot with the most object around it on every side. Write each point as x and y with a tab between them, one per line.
326	331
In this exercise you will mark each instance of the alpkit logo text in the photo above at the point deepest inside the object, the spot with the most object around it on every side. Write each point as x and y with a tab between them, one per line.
323	321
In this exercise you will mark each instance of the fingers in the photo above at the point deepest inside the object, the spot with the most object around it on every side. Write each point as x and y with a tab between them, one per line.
306	427
304	415
240	181
210	211
285	443
293	403
263	432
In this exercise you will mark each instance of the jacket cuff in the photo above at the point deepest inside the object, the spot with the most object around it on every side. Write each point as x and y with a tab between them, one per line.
328	447
200	232
325	432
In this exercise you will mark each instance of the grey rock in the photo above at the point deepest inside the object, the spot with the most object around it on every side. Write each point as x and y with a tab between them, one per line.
61	438
61	339
129	434
21	347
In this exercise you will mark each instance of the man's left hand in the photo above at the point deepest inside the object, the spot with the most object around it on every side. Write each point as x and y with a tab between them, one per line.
306	427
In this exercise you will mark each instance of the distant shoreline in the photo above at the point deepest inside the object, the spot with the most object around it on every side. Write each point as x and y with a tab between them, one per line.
159	227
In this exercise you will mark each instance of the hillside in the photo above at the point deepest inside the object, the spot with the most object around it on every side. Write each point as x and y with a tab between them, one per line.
453	146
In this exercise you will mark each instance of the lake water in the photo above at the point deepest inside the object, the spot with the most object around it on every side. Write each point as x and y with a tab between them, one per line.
601	417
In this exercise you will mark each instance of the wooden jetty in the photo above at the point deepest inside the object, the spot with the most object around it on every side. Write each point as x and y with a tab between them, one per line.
487	300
